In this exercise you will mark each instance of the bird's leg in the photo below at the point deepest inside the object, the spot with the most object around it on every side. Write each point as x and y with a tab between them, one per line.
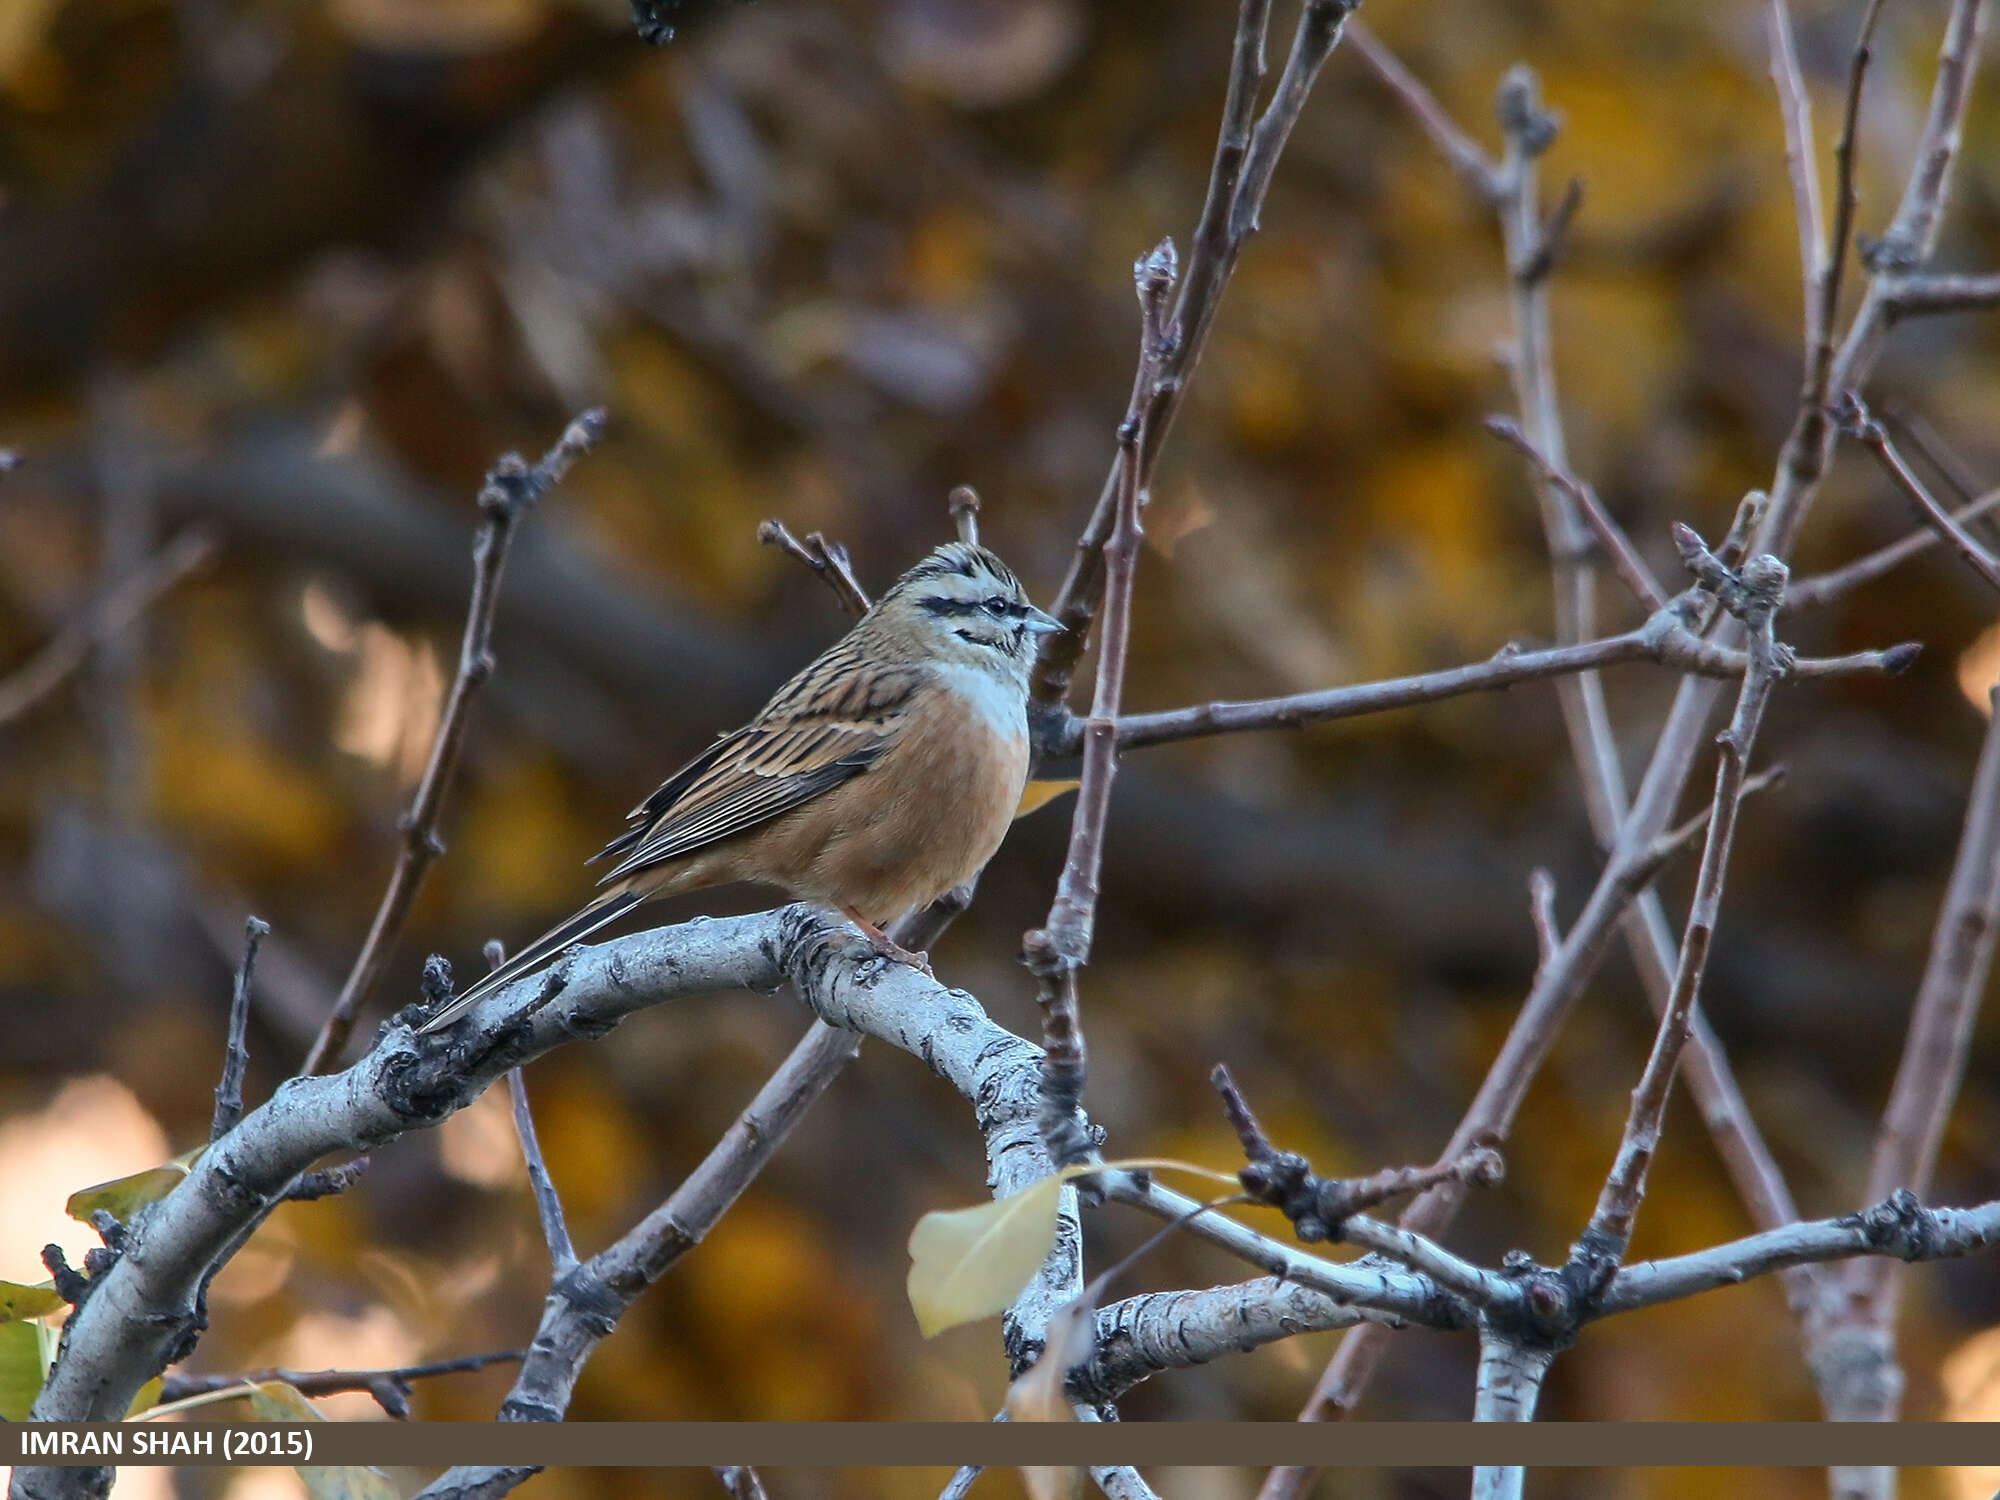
887	946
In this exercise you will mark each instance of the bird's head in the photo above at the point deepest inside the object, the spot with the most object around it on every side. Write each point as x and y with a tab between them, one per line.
968	606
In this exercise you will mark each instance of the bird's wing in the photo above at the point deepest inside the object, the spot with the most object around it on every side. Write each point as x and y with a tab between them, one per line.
829	723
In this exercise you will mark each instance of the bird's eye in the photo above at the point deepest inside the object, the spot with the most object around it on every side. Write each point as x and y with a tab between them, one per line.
997	605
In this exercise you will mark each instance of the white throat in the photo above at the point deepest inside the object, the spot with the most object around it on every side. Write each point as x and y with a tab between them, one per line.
1002	703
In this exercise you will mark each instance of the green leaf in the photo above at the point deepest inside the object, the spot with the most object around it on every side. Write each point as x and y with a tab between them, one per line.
122	1197
18	1302
21	1370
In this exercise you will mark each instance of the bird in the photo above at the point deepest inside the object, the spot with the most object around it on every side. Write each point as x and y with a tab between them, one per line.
884	774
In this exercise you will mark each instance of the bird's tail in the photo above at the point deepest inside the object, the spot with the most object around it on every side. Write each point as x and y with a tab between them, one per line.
599	913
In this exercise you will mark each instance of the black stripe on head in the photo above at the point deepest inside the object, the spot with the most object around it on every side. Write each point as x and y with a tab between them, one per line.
963	559
948	608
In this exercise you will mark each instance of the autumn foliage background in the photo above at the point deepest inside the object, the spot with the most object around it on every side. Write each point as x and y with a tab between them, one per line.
298	273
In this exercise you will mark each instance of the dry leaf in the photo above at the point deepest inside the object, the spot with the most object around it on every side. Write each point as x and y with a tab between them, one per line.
970	1263
1052	1483
276	1401
1037	1393
1979	669
1039	794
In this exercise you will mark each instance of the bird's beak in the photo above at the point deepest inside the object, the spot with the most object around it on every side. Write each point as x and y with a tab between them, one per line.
1040	622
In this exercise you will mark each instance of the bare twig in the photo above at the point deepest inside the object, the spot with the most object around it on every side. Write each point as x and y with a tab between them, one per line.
108	614
963	502
1057	949
1935	292
236	1052
1754	596
827	559
1664	640
1467	157
1824	588
1795	109
1625	560
1825	304
1857	420
1246	158
586	1298
1323	1208
1851	1338
548	1203
1542	913
740	1482
390	1387
1628	834
511	490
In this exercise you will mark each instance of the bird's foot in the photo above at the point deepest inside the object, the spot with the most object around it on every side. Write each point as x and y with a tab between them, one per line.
887	947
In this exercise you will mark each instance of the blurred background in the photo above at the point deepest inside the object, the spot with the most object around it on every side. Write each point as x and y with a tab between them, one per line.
295	274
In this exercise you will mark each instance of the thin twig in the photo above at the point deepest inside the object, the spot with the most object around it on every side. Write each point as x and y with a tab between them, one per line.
1542	913
1467	157
1851	1340
511	490
1625	560
963	503
1601	1247
827	559
236	1052
1824	588
740	1482
1857	420
548	1203
1628	832
587	1298
389	1387
108	614
1246	157
1801	161
1663	640
1826	303
1057	949
1935	292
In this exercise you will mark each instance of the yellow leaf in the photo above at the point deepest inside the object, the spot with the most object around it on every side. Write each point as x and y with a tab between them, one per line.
124	1196
1052	1484
970	1263
279	1401
1037	1394
148	1397
18	1302
347	1482
1039	794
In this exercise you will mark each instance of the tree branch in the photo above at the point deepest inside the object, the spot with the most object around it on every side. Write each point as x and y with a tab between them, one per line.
103	618
1754	595
828	561
1855	418
1246	158
390	1387
236	1051
1824	588
511	489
